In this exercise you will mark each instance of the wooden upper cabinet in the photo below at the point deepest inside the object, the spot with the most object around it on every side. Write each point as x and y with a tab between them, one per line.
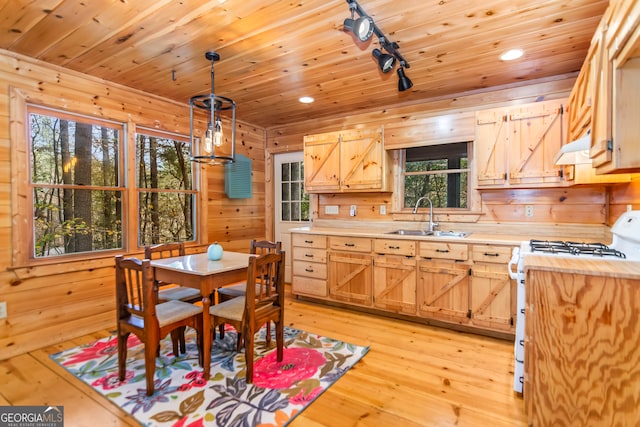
536	133
322	162
353	160
491	147
515	146
615	144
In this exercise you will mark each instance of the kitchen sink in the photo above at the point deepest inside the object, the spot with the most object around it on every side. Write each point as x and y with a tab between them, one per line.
443	233
437	233
411	232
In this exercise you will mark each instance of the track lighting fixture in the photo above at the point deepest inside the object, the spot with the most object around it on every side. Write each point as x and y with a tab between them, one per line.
385	61
211	146
363	28
403	81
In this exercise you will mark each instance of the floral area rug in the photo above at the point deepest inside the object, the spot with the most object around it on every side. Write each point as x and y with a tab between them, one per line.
281	390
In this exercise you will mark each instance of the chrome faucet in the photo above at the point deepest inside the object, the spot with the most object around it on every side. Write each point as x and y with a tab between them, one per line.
432	225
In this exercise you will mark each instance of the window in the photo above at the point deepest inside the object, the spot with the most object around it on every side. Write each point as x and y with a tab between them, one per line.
439	172
166	199
78	185
75	183
295	202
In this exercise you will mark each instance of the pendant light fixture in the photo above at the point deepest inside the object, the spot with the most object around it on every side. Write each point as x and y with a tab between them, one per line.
213	146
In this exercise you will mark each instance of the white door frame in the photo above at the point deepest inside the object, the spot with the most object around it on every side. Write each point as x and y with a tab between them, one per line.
281	228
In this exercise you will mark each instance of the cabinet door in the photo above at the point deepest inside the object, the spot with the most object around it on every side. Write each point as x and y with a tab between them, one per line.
492	297
491	147
443	290
602	87
536	133
350	277
322	162
363	161
394	283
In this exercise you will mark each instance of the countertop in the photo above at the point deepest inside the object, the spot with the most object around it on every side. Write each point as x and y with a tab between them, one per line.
473	238
575	265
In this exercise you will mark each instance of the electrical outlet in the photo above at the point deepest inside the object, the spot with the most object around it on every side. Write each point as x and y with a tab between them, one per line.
331	210
383	209
352	210
528	211
3	310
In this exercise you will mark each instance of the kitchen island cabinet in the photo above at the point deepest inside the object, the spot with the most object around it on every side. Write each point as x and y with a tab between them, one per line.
582	360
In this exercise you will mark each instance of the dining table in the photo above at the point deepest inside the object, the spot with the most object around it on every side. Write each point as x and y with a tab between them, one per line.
198	271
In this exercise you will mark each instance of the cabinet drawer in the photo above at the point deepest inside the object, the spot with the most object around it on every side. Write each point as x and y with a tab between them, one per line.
352	244
309	240
310	269
310	254
444	250
491	253
309	286
394	247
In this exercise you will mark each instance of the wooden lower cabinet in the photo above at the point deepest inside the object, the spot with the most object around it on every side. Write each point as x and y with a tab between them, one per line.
582	359
350	277
309	265
394	283
444	280
350	269
443	290
493	292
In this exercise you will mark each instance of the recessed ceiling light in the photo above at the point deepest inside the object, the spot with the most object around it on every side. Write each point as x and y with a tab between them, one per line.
511	54
306	99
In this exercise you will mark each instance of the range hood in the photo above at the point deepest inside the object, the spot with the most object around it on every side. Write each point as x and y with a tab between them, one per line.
575	152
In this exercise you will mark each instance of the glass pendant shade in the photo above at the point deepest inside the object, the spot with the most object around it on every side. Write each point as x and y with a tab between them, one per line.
209	144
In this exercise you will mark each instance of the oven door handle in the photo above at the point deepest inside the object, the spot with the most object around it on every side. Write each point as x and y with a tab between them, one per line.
515	257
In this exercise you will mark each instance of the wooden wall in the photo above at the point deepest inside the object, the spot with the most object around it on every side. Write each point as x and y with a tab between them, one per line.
56	301
583	204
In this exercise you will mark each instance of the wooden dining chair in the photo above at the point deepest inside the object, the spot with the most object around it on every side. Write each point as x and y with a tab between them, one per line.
262	303
169	291
139	312
228	292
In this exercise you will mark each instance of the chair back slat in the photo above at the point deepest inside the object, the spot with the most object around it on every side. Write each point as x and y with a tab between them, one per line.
265	284
261	247
164	250
134	288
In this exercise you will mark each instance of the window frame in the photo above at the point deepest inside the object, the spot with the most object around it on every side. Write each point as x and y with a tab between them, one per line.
143	130
402	155
22	103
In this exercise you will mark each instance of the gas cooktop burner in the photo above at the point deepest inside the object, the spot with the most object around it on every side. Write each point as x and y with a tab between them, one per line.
574	248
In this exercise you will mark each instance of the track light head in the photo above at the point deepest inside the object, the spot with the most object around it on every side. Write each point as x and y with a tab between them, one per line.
385	61
403	81
361	27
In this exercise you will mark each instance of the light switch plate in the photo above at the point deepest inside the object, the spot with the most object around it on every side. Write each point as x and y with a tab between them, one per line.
3	310
352	210
383	209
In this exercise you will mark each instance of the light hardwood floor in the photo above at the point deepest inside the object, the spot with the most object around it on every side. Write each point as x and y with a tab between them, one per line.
413	375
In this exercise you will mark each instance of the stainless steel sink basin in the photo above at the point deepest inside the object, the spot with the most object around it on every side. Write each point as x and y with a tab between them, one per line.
411	232
437	233
450	233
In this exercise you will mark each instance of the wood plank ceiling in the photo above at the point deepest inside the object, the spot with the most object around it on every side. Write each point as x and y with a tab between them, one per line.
274	51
